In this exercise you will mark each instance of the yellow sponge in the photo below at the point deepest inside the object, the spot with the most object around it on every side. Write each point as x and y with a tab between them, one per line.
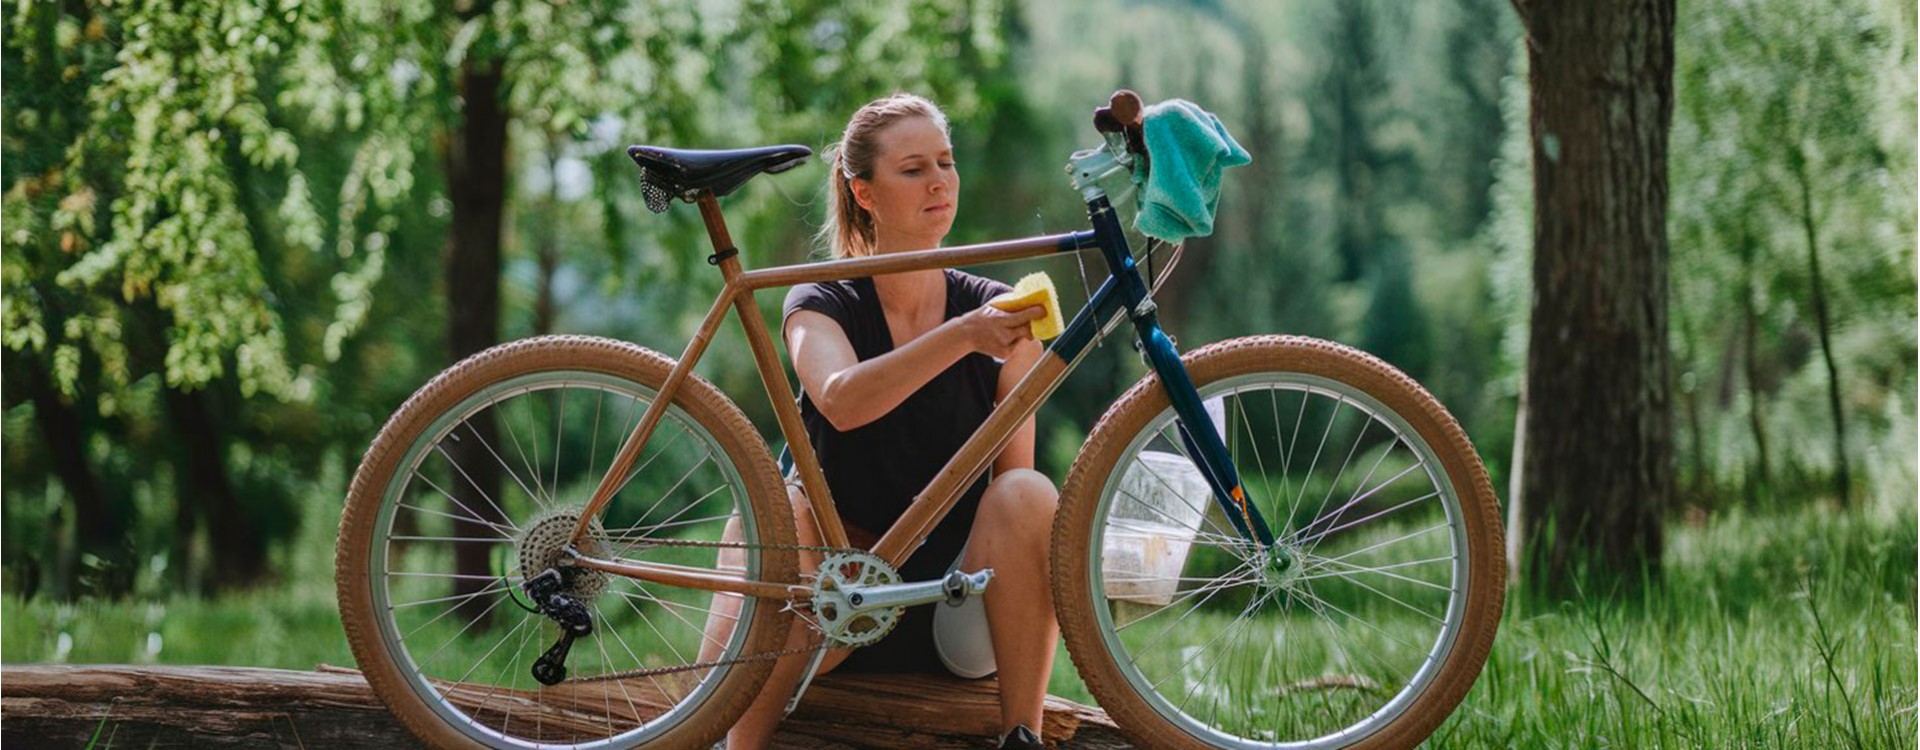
1034	289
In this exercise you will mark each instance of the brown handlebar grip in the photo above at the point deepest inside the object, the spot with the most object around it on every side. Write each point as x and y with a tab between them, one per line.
1121	114
1126	107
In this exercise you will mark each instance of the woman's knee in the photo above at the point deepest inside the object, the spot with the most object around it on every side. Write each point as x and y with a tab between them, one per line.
1020	496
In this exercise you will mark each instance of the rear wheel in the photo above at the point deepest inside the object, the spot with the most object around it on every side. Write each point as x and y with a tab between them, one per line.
477	483
1363	626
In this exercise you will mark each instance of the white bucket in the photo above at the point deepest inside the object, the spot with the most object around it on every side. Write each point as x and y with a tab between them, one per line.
1163	498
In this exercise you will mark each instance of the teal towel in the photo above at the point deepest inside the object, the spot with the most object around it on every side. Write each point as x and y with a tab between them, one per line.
1190	148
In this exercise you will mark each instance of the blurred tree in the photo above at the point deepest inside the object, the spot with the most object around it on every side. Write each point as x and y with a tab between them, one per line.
1598	454
1352	94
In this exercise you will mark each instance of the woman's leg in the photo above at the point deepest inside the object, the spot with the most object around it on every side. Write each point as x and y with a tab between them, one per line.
1010	534
756	727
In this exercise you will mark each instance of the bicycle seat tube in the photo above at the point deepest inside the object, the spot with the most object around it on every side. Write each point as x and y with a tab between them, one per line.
1124	291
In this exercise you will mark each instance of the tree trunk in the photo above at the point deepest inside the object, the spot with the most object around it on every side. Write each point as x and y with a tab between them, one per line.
549	255
100	521
1760	480
1842	482
1599	454
476	177
237	551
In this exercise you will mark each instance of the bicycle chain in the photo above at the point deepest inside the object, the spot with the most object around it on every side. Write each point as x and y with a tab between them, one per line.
817	644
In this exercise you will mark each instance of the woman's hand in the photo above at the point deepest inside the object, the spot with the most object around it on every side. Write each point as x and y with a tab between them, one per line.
995	332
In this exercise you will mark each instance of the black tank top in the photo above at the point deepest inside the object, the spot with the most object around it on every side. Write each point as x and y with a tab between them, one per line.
875	470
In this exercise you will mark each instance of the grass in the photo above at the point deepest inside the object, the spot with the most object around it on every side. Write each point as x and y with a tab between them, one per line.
1793	629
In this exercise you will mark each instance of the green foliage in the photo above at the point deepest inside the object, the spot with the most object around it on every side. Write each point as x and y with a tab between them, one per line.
1769	166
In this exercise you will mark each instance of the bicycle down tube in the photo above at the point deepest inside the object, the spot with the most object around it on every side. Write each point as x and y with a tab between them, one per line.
1123	293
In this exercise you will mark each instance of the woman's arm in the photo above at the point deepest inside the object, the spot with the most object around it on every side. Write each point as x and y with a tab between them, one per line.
1019	451
851	393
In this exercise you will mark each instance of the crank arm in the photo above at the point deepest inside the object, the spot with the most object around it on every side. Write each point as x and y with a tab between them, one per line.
953	589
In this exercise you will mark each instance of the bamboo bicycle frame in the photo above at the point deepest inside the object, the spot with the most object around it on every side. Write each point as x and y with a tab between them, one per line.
1124	292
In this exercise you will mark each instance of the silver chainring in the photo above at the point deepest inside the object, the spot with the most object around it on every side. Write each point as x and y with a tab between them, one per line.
834	616
544	545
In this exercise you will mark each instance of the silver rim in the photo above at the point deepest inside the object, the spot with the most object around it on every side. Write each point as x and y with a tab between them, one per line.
1321	645
459	638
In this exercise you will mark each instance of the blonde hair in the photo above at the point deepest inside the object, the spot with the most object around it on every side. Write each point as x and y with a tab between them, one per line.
848	231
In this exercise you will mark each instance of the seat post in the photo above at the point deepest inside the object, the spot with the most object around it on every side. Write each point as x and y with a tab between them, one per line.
725	255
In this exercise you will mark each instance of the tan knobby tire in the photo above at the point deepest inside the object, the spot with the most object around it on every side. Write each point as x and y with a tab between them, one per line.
1107	661
735	455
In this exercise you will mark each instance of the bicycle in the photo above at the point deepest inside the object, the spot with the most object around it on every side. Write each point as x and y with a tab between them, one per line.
1212	593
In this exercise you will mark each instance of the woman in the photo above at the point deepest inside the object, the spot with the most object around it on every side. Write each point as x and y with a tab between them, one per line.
896	372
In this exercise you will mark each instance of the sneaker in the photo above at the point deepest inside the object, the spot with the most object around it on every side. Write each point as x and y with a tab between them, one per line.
1021	738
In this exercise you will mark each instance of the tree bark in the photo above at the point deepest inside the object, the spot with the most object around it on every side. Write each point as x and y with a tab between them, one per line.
58	706
100	521
476	178
237	551
1842	482
1599	454
1760	480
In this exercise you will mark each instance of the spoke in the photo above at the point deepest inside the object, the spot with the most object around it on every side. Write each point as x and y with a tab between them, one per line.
1210	589
1239	625
1340	401
1203	648
670	490
1395	600
1378	545
681	605
1383	571
1136	579
1313	599
1235	545
593	443
450	609
1356	499
1175	441
496	587
463	631
483	659
1315	539
626	532
559	421
503	530
690	506
1286	458
668	642
442	450
471	539
624	481
1339	642
472	577
1195	608
507	421
648	596
1335	484
637	661
1358	496
496	457
605	658
500	677
1239	404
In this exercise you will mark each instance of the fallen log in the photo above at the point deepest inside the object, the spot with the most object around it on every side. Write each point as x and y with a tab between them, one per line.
61	706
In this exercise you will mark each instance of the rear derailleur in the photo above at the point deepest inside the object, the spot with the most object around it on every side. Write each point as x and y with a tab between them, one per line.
547	591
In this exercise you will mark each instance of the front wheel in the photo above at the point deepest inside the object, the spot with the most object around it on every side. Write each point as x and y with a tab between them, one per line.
475	486
1365	623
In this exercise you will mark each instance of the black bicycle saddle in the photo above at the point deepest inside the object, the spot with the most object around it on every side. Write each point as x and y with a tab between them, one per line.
676	173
